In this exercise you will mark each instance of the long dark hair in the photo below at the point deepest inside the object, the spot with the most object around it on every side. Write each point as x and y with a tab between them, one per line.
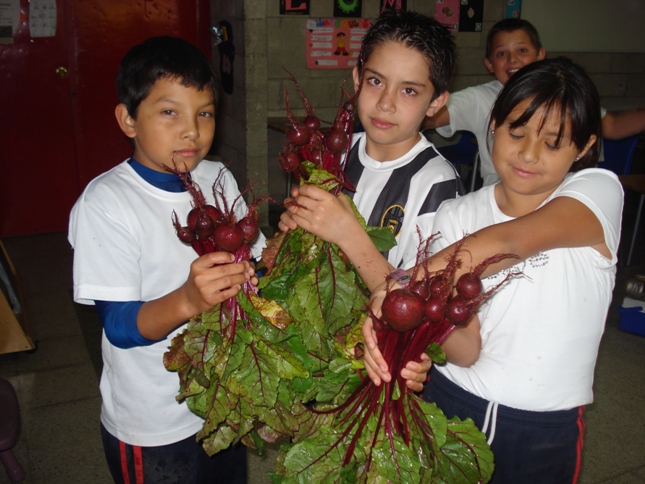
561	86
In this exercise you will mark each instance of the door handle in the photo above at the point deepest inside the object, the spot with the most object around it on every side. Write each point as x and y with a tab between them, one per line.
61	72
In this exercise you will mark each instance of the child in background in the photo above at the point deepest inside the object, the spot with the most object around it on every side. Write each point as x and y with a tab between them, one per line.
145	283
511	44
540	332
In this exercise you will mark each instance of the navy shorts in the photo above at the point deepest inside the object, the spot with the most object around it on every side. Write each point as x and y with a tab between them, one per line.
528	447
184	462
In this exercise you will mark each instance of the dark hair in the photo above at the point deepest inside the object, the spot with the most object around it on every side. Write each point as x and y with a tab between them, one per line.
419	32
511	25
157	58
560	86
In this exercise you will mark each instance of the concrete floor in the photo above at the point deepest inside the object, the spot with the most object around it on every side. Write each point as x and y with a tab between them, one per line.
58	383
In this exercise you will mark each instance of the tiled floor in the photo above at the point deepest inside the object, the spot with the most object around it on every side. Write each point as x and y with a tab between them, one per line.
58	383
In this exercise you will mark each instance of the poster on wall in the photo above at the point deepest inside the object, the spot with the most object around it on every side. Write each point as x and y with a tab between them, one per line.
294	7
348	8
334	43
460	15
9	20
513	8
398	5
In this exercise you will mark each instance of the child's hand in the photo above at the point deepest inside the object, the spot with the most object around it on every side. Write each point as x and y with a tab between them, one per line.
286	222
414	373
323	214
214	278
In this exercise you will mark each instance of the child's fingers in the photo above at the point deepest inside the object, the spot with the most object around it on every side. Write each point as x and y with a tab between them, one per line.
286	222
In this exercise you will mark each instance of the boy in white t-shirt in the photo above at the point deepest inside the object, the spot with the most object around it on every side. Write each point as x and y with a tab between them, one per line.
511	44
145	283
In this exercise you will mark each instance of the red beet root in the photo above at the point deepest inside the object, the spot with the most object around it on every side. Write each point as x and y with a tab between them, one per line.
469	285
249	228
312	123
186	235
289	161
299	135
402	310
458	310
204	226
434	309
228	237
421	288
336	140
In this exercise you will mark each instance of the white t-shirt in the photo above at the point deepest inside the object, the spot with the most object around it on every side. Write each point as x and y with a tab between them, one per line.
469	110
419	187
540	331
126	249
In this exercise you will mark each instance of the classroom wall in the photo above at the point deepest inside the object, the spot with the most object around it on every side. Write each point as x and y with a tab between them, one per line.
267	41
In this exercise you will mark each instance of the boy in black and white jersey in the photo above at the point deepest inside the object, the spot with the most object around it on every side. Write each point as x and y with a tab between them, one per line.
400	178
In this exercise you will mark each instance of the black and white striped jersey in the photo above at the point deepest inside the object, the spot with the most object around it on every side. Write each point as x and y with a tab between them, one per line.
401	194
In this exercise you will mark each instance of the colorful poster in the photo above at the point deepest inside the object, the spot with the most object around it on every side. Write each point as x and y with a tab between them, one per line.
348	8
294	7
394	4
447	13
334	43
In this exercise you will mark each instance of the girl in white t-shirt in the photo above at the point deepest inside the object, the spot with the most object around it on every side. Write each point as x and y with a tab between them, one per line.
522	368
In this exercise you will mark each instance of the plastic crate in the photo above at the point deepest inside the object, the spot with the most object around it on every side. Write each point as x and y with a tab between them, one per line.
632	316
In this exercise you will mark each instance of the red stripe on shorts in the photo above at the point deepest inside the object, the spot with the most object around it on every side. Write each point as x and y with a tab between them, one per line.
138	464
124	463
581	429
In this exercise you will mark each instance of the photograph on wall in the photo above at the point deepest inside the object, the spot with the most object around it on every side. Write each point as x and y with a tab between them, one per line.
348	8
334	43
398	5
460	15
447	13
294	7
471	15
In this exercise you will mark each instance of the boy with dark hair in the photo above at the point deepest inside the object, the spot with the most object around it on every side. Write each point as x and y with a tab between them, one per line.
510	45
400	178
144	282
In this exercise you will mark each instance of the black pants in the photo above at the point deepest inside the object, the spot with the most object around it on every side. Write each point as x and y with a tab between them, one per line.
528	447
184	462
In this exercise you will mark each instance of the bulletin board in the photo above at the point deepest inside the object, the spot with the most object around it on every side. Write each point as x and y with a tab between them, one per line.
588	25
334	43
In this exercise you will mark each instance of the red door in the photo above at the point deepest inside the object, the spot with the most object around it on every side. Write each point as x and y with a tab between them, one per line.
58	97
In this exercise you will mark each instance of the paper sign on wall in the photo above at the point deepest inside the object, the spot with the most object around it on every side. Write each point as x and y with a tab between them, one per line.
9	20
42	18
334	43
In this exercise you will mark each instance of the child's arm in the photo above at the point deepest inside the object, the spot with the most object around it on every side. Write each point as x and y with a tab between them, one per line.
624	124
213	279
332	219
441	118
564	222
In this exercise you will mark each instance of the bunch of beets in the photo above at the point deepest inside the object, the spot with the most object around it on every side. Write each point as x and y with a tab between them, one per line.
306	142
387	432
213	228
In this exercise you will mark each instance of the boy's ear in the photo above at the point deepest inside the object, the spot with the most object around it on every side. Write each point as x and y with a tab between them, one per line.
438	102
541	53
356	76
126	122
488	65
